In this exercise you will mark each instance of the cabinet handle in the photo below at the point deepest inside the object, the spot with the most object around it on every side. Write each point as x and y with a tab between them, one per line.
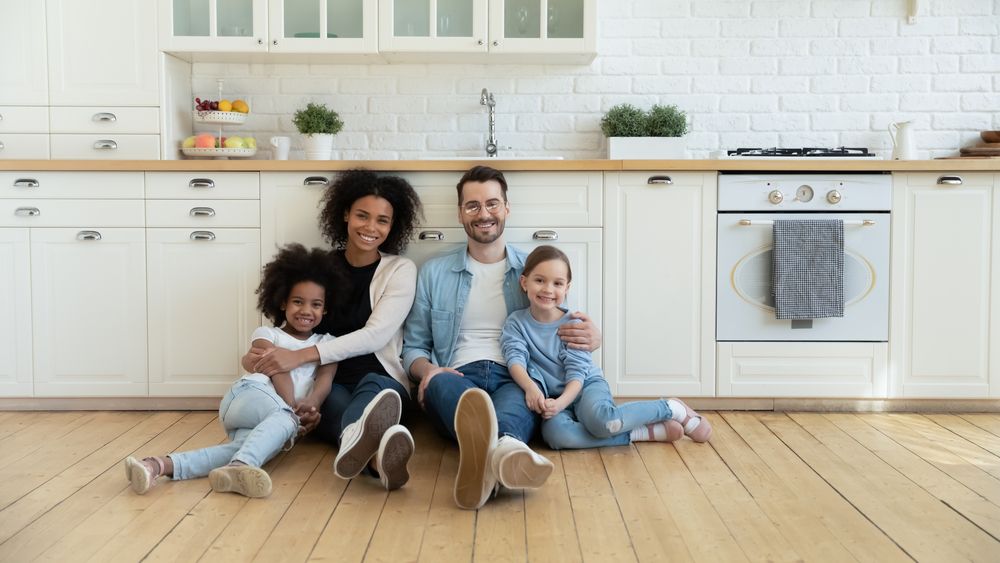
260	41
1	117
545	235
315	181
105	144
202	212
480	41
25	183
275	41
27	212
950	181
88	235
431	235
203	235
201	183
496	43
104	116
659	180
1	144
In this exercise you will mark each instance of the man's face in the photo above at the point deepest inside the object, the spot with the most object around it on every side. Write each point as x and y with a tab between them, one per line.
488	209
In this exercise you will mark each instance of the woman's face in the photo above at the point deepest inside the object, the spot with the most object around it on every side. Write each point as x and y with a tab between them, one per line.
368	223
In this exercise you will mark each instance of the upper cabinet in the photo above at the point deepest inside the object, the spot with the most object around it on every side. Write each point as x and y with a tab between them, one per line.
213	25
323	26
23	78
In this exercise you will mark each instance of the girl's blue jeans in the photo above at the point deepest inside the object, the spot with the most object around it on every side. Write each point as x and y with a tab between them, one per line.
594	420
258	424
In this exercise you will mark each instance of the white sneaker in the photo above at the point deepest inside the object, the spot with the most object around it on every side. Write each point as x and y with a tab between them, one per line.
476	430
360	440
394	452
517	467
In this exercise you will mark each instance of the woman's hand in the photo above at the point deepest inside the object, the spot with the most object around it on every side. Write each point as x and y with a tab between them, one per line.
552	407
581	336
535	400
253	356
279	360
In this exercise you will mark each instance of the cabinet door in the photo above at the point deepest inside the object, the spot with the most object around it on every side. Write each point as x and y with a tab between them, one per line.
431	26
88	297
213	25
940	314
322	26
201	308
23	78
544	26
102	53
15	314
660	283
289	203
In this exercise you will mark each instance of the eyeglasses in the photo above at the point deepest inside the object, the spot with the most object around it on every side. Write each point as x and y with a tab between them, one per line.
493	206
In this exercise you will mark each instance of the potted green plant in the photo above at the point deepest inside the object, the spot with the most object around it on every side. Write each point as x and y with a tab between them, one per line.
654	134
319	125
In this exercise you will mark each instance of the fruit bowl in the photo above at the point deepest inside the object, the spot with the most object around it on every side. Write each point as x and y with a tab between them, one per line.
219	151
224	117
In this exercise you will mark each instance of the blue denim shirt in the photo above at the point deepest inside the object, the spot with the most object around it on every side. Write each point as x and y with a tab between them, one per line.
443	286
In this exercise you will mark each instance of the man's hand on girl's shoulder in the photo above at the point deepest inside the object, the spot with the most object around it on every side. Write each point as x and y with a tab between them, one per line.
582	335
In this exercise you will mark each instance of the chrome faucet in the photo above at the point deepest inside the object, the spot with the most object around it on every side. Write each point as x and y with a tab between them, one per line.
486	99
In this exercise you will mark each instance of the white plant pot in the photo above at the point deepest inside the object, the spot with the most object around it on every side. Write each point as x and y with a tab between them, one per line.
646	148
319	146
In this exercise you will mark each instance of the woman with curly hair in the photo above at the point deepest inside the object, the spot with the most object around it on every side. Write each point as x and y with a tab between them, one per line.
369	219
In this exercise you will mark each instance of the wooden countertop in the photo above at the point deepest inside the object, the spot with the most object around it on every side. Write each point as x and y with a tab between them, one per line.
790	165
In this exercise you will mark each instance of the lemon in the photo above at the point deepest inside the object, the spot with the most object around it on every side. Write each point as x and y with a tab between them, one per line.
224	105
241	106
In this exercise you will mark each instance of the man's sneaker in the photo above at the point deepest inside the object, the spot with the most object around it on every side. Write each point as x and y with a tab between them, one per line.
394	454
517	467
360	440
476	430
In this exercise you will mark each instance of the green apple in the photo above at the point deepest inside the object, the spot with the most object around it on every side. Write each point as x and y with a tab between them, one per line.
251	143
189	142
235	143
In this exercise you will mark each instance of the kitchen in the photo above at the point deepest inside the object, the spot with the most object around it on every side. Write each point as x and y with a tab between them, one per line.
748	74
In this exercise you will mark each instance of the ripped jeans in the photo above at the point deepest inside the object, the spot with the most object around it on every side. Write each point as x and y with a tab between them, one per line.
593	420
257	422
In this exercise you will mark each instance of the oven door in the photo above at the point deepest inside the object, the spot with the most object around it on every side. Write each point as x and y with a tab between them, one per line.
745	306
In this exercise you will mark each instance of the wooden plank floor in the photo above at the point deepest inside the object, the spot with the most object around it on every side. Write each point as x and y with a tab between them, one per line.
770	487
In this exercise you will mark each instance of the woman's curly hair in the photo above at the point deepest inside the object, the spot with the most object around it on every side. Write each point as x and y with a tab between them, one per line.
294	264
352	185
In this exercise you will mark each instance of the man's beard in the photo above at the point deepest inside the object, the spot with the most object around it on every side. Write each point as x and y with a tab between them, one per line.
484	238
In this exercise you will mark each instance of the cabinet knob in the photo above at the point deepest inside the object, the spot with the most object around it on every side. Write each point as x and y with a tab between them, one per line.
202	212
105	144
88	235
315	181
1	144
659	180
104	116
201	183
545	235
950	181
26	183
431	235
27	212
496	43
260	41
480	42
203	235
275	41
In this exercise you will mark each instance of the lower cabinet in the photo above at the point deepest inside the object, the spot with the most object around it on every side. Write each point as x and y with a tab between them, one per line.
289	203
15	314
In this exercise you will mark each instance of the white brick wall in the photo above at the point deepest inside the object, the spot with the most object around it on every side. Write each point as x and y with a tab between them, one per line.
750	72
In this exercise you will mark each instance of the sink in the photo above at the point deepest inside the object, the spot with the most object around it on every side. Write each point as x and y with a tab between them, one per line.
487	158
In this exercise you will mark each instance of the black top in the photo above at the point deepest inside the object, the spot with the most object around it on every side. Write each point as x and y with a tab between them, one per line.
353	316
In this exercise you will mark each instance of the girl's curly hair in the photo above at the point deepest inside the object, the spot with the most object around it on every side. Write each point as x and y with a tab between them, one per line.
295	264
352	185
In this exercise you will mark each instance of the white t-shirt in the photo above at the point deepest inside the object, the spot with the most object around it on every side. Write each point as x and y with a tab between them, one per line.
484	316
302	376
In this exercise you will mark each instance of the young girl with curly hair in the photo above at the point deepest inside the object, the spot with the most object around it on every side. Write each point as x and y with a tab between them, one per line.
260	413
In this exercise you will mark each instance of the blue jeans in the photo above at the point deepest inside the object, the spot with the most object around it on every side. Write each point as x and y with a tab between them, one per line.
593	420
513	416
258	424
346	403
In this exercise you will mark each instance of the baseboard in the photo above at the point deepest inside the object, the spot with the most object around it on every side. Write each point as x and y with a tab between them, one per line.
110	404
835	405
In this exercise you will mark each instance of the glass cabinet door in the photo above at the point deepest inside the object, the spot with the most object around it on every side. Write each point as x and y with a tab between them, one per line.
553	26
213	25
313	26
433	25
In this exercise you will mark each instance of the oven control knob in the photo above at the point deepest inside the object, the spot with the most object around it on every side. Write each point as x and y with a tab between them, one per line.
833	197
775	197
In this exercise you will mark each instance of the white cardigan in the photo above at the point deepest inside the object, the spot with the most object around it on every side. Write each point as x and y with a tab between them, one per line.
392	289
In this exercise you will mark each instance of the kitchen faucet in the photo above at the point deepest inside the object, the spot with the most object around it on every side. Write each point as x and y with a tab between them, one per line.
486	99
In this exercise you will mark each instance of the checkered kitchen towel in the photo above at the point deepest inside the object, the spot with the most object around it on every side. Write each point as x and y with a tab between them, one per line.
808	275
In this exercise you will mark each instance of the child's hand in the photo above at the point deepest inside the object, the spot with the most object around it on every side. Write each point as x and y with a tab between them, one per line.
308	416
535	400
551	408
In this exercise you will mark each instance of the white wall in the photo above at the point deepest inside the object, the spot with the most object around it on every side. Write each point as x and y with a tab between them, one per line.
749	73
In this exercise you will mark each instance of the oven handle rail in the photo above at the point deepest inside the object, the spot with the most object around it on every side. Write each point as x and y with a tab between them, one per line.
755	222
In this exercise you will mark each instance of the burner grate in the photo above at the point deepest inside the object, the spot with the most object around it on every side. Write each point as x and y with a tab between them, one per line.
804	151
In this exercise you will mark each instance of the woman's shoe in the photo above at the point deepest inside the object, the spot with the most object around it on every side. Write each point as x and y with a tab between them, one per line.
394	452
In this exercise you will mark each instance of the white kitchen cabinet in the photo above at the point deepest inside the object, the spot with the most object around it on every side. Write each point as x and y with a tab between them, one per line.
942	248
202	308
15	314
290	209
23	68
213	25
323	26
102	52
660	239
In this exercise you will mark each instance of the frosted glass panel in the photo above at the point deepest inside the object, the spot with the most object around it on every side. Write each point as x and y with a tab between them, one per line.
344	18
565	19
411	18
191	18
522	19
454	18
301	18
235	18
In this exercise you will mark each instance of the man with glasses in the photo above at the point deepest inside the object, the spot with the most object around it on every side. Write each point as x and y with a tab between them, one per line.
451	345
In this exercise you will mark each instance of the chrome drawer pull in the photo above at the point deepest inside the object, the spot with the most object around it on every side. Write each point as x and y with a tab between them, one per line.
202	212
104	116
950	181
659	180
105	144
1	144
315	181
545	235
26	183
431	235
27	212
88	235
201	183
203	235
758	223
1	117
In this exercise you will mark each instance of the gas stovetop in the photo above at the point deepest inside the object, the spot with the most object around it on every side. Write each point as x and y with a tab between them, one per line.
847	153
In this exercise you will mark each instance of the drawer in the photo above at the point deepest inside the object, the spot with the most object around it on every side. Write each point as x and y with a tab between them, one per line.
82	213
106	147
202	185
670	178
949	179
74	185
14	119
203	213
105	120
15	146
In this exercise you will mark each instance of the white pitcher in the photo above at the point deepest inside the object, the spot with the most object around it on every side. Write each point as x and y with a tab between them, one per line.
902	142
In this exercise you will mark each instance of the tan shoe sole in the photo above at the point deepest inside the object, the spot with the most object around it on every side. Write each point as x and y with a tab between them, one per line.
246	480
476	430
137	474
520	470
